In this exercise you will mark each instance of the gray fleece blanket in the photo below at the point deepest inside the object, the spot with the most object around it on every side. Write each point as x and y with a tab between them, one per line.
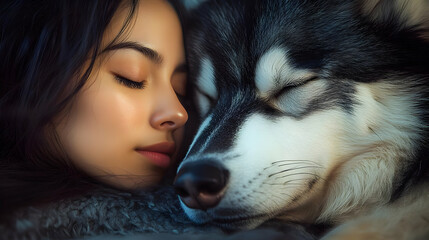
110	214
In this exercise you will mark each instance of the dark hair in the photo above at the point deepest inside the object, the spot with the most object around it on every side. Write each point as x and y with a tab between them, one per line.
43	46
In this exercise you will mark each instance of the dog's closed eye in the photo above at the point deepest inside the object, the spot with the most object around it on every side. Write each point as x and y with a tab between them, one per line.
295	100
205	101
295	84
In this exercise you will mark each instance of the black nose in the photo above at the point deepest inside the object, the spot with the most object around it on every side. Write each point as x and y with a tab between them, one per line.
200	184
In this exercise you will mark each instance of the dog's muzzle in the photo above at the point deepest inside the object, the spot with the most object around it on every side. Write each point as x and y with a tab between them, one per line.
201	184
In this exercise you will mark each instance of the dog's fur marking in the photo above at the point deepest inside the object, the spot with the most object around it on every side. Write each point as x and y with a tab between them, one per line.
360	182
318	111
411	13
273	71
205	84
408	222
200	131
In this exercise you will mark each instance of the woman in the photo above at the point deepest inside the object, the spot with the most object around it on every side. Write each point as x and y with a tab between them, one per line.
89	95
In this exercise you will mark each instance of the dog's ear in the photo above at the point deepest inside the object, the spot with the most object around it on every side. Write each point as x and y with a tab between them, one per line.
191	4
409	14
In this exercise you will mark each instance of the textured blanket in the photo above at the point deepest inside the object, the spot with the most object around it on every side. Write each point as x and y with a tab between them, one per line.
110	214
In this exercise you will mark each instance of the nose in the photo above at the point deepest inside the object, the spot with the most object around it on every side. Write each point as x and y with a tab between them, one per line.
169	113
201	184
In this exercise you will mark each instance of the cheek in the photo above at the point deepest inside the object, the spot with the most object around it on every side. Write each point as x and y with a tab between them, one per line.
106	124
115	112
108	115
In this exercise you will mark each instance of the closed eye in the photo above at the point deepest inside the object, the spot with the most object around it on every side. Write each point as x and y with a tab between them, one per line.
204	102
287	88
208	97
130	83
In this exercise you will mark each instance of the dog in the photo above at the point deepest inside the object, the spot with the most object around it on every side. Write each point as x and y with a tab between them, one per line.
312	112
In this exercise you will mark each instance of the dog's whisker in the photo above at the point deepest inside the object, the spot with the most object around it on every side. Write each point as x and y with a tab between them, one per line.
289	169
279	196
294	160
292	182
293	163
253	196
311	166
294	174
302	179
290	162
289	183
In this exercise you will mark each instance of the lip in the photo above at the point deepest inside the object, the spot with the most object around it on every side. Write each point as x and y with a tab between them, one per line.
158	154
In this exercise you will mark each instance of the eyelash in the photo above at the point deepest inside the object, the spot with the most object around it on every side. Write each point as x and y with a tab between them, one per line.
129	83
211	100
289	87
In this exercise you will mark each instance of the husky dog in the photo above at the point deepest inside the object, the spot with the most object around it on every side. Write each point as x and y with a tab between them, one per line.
313	111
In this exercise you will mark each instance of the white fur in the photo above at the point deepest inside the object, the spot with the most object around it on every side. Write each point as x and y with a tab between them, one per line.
203	126
353	156
410	221
203	103
205	83
261	142
368	167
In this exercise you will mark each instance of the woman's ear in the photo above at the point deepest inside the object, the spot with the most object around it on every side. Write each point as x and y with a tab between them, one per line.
407	14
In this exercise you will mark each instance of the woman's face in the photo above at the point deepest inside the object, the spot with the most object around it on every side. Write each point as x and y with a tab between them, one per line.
126	124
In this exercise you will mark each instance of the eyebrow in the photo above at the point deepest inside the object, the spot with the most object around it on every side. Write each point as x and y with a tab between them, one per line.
153	55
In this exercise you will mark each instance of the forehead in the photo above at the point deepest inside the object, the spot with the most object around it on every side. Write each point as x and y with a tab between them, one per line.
238	37
154	24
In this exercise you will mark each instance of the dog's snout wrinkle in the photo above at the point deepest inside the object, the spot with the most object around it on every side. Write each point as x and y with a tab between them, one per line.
201	184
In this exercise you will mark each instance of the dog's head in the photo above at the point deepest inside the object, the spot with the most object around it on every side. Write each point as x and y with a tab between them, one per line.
310	109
